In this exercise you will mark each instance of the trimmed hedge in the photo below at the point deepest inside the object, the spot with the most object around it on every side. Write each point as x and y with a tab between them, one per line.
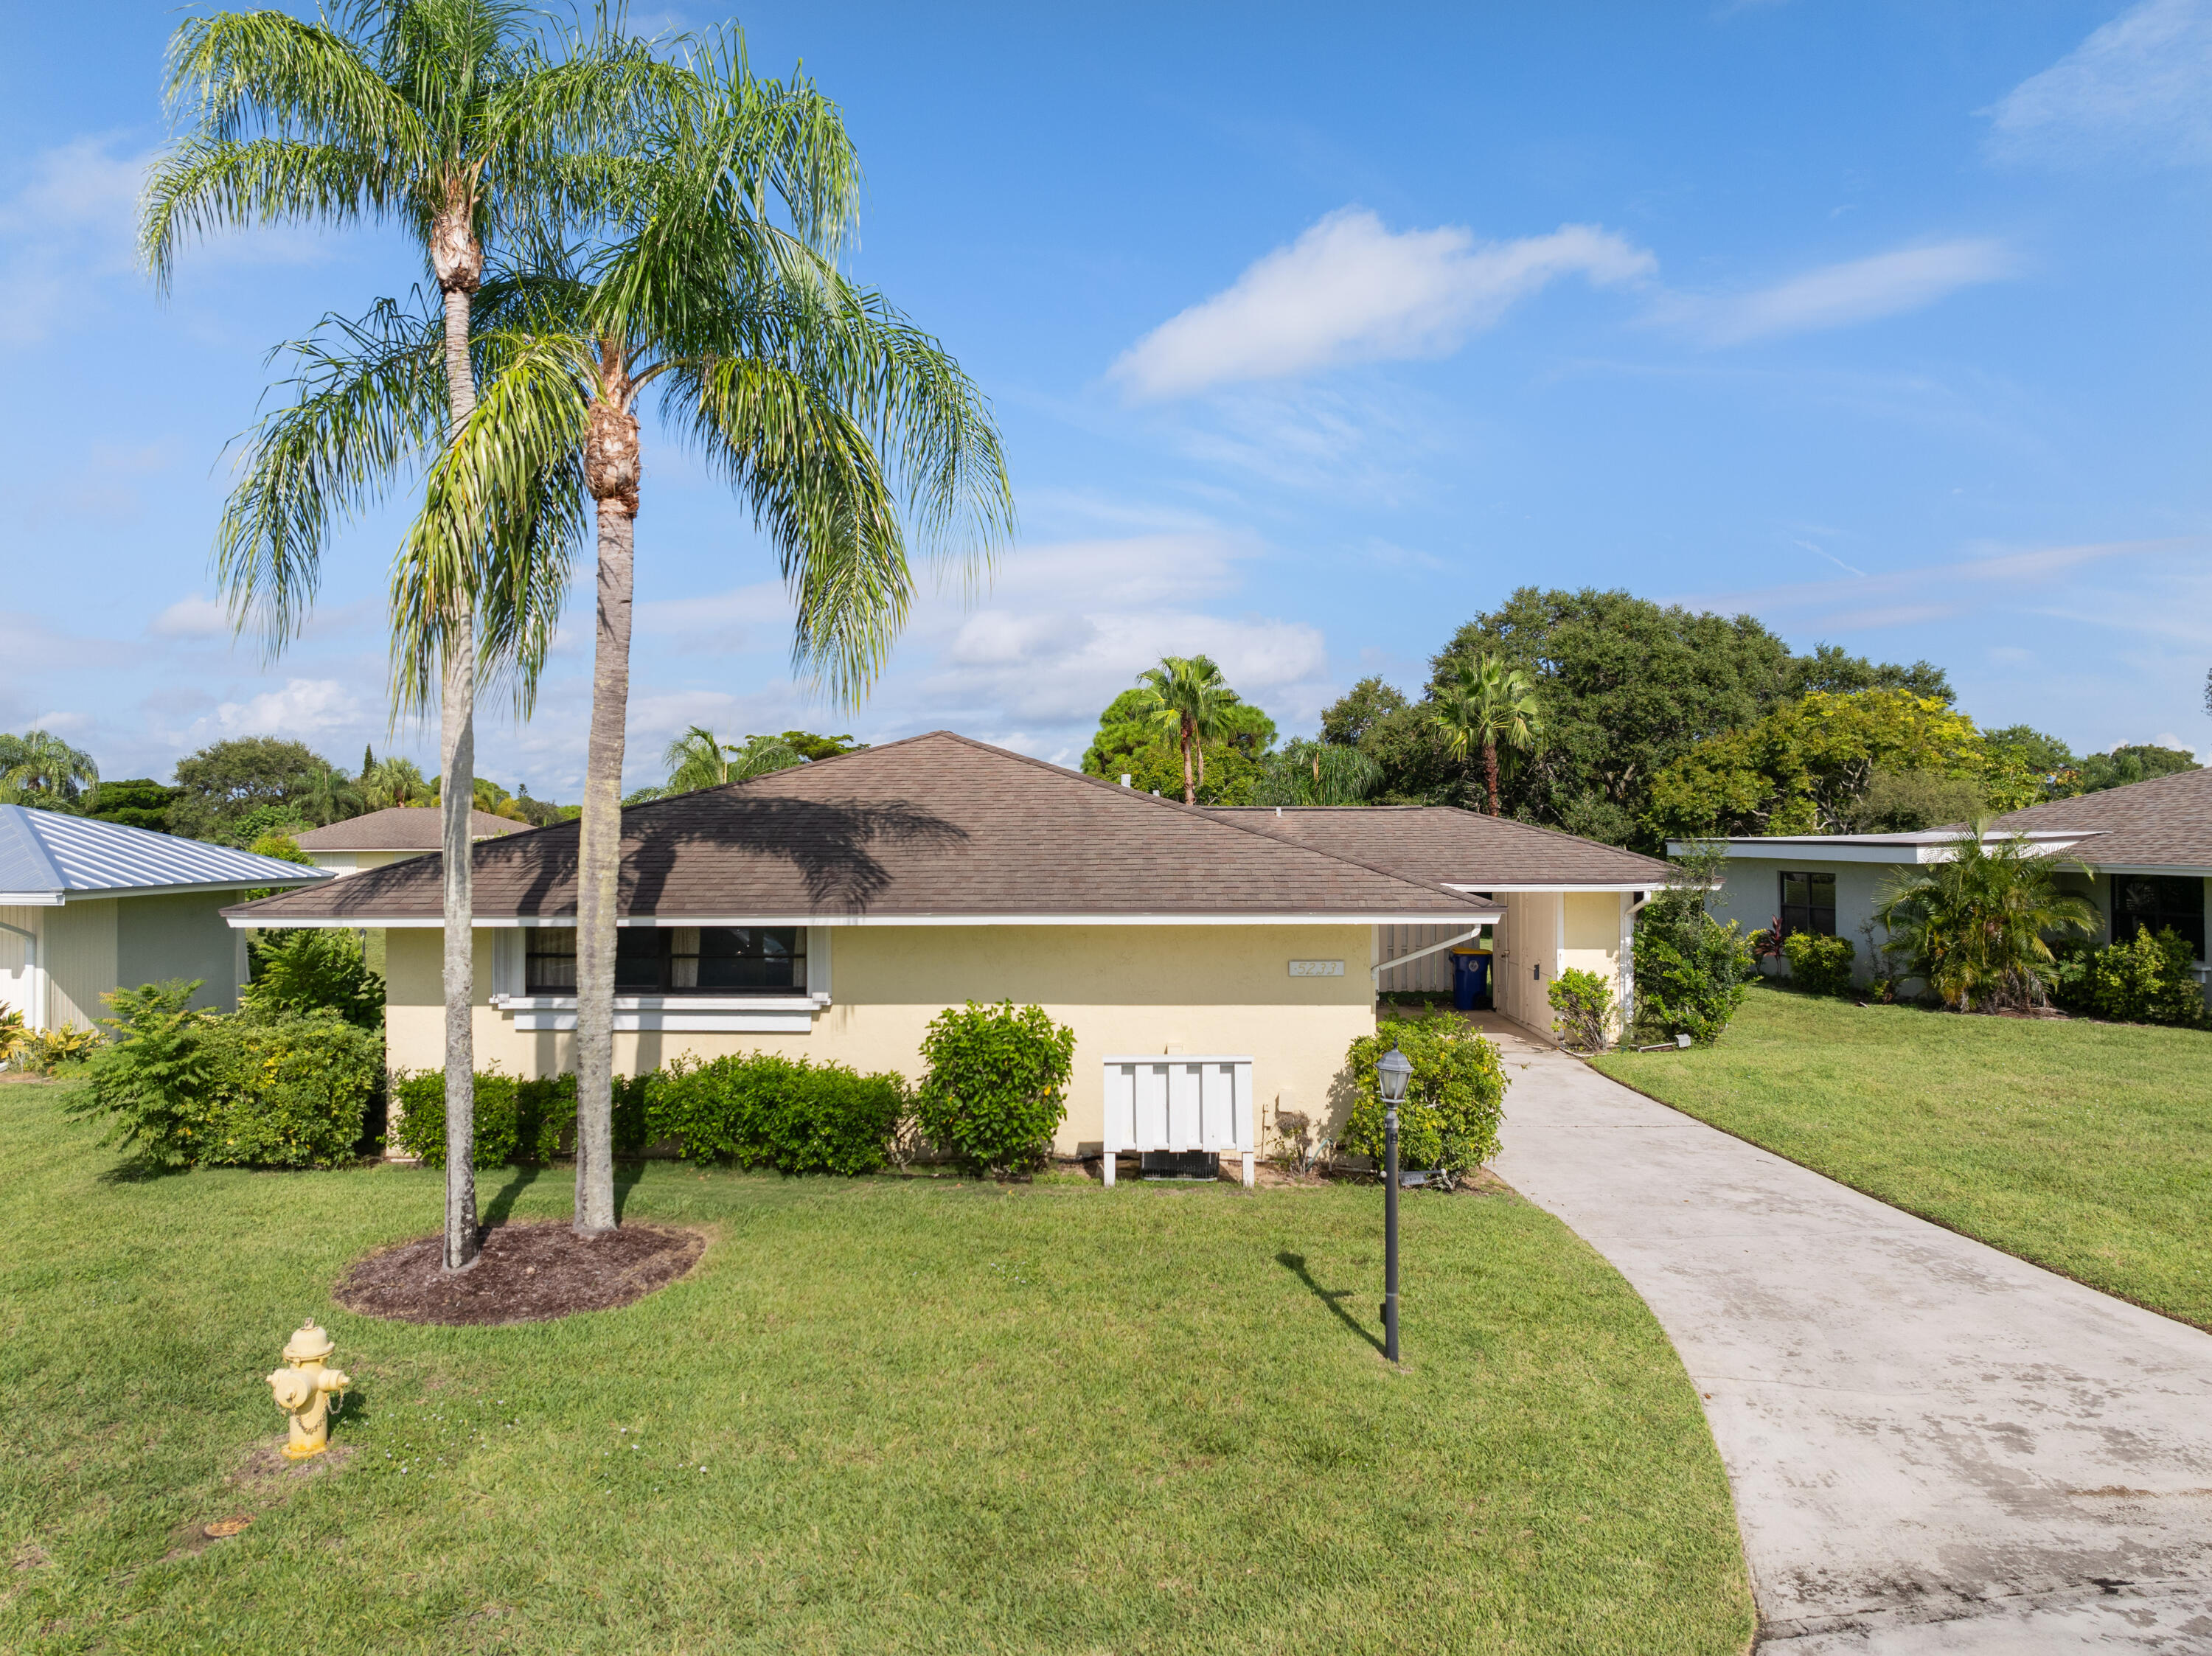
763	1110
516	1120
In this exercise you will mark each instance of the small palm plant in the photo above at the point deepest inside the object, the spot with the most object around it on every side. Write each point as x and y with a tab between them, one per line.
1187	695
1974	927
1485	704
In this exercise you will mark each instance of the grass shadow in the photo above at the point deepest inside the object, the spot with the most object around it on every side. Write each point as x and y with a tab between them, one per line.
1295	1265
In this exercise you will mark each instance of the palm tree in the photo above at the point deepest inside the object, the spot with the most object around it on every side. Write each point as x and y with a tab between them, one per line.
1187	695
1974	927
39	765
700	759
1309	772
1487	702
326	794
819	403
393	781
448	117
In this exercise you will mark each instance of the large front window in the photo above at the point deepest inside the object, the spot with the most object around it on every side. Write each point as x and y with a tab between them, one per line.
678	959
1809	904
2159	902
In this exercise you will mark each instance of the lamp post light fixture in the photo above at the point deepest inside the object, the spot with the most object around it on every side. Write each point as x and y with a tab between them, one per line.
1391	1075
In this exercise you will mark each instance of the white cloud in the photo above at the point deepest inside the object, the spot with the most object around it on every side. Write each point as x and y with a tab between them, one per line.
304	709
2140	87
1838	295
1348	290
68	224
196	616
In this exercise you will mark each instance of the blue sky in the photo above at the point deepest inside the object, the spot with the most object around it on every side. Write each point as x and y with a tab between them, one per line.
1312	333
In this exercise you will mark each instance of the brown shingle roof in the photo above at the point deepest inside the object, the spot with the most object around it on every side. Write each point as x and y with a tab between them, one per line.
2165	822
937	825
401	828
1445	846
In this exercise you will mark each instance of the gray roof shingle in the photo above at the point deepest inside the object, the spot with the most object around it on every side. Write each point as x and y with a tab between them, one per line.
934	826
1449	847
400	828
2165	822
46	856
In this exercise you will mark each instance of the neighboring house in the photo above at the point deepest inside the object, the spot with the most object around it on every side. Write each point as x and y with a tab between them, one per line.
834	909
387	836
2142	855
88	907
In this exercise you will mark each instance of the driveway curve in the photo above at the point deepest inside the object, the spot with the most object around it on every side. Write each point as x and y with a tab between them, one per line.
1933	1446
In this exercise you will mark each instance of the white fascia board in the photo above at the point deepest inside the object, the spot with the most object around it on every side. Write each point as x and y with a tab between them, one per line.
1470	916
101	894
2182	870
33	899
1578	885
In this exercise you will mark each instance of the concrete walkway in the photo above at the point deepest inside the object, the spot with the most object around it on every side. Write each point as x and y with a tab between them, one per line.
1933	1446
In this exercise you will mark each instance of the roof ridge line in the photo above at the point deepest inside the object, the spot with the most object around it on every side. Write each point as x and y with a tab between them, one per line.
1478	815
1204	812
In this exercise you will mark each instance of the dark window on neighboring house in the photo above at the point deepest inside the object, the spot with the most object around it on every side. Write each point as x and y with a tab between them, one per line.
1809	904
679	960
550	961
2159	902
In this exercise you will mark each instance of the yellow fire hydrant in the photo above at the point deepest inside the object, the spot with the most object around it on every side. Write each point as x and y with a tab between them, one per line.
304	1387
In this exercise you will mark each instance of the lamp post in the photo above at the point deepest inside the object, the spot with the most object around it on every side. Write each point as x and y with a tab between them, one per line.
1391	1074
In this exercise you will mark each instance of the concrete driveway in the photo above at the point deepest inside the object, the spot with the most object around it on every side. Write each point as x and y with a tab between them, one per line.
1933	1446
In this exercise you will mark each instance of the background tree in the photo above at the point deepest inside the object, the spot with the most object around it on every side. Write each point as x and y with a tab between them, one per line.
841	425
811	747
1830	669
447	118
1485	704
139	802
392	781
1627	686
1131	742
1309	772
1187	696
1806	767
226	782
2131	763
700	759
39	769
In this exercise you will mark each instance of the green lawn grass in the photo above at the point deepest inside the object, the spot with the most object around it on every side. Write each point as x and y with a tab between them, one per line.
881	1415
2085	1147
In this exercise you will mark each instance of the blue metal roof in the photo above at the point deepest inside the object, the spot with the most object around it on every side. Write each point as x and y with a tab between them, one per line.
46	857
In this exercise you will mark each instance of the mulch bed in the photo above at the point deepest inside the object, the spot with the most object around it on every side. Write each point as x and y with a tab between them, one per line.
526	1274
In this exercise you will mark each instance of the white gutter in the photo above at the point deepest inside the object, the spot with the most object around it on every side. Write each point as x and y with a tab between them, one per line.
37	978
1376	970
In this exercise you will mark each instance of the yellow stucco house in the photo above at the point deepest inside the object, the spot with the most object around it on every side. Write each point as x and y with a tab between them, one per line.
834	909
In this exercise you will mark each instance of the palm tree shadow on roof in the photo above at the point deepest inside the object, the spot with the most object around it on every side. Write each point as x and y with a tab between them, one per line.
832	845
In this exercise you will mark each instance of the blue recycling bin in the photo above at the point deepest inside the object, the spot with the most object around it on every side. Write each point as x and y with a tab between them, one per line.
1470	979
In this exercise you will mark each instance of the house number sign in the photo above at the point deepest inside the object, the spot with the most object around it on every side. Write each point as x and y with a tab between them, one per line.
1316	969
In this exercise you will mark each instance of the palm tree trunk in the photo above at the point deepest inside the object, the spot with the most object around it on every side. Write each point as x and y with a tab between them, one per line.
1490	771
610	469
457	762
1189	787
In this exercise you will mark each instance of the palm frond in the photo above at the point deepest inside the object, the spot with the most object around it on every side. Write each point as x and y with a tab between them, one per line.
202	186
501	518
242	73
370	398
